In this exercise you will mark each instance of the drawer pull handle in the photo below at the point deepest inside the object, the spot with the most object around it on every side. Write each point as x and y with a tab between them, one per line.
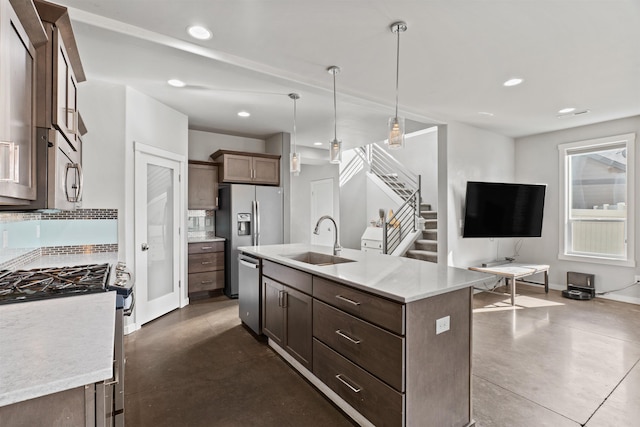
204	282
347	337
206	247
206	262
345	299
354	389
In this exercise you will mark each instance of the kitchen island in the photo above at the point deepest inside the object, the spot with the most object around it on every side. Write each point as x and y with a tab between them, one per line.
387	339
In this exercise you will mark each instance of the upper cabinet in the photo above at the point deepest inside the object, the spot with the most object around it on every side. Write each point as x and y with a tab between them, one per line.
20	33
248	168
203	185
59	72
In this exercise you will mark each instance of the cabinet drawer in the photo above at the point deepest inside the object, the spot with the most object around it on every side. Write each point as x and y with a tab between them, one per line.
196	248
376	244
382	312
288	276
376	350
206	262
376	401
207	281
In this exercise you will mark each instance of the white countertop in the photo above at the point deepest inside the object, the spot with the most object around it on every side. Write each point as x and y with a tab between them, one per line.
204	239
56	344
397	278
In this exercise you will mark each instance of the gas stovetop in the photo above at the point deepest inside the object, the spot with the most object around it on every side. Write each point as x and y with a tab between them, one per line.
43	283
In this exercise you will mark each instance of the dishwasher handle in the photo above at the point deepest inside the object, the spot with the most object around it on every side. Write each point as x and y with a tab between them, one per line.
249	261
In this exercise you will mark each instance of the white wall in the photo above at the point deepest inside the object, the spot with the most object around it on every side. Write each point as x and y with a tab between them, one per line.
203	144
473	155
353	206
301	221
103	154
537	161
116	116
377	199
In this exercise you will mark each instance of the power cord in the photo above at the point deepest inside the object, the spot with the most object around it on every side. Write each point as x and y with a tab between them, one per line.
486	288
637	282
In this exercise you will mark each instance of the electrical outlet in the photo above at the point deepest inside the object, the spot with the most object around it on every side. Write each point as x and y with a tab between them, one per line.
37	231
443	324
5	238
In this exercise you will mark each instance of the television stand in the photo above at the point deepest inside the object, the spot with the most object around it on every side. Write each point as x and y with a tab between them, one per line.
513	271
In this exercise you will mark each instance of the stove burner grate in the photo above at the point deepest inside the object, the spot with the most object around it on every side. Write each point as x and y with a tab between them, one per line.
42	283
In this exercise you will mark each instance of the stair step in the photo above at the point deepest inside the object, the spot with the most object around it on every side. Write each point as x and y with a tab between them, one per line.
426	245
431	234
430	224
427	214
422	255
425	207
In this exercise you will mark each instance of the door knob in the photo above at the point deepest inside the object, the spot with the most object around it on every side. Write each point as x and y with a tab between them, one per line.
144	247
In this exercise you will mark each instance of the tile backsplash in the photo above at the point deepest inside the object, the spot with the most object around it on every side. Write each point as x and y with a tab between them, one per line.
201	224
25	236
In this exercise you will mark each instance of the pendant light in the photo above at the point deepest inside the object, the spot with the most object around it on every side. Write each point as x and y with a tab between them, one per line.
335	146
294	156
396	124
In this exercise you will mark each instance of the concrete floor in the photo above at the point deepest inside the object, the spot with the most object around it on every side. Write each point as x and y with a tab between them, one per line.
548	362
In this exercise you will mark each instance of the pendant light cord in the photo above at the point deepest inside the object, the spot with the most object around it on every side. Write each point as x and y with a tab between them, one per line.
397	69
295	148
335	114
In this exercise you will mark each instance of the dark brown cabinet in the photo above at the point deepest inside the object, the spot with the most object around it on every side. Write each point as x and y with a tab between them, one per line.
206	267
19	35
382	357
203	185
288	312
247	168
59	72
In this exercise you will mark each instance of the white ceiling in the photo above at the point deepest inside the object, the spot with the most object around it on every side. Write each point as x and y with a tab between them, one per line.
454	58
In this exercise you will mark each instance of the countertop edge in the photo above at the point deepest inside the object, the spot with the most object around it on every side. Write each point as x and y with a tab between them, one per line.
205	239
317	271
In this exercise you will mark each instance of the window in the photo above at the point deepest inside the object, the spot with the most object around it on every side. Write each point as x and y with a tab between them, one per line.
596	200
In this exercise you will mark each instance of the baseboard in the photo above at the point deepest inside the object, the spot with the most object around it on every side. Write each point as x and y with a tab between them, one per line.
337	400
620	298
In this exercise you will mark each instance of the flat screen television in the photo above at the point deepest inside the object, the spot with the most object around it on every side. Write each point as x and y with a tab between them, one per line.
494	209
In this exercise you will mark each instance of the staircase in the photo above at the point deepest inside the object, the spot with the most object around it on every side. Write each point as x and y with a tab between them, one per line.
407	186
426	248
398	187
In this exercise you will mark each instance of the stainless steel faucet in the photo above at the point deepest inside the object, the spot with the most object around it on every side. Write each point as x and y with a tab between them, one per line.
336	241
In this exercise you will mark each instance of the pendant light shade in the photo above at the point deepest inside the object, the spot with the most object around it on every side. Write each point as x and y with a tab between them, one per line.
335	146
396	124
294	157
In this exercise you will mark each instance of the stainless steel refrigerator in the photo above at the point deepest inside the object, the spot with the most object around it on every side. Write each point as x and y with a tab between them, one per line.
248	215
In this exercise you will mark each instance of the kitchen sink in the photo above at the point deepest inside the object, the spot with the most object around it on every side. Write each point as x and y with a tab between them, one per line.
317	258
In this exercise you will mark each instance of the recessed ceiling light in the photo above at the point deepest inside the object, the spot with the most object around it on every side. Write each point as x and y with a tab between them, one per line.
198	32
176	83
513	82
485	113
317	143
573	113
244	114
567	110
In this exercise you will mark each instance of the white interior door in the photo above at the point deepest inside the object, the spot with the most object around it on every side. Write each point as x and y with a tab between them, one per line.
322	204
157	242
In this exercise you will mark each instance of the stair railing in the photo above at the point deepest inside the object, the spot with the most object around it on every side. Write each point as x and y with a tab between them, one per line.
400	224
385	166
403	182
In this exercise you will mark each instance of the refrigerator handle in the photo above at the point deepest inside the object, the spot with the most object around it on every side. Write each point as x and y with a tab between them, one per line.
254	215
257	223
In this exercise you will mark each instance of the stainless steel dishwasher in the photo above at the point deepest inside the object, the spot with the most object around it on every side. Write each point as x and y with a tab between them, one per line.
249	292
